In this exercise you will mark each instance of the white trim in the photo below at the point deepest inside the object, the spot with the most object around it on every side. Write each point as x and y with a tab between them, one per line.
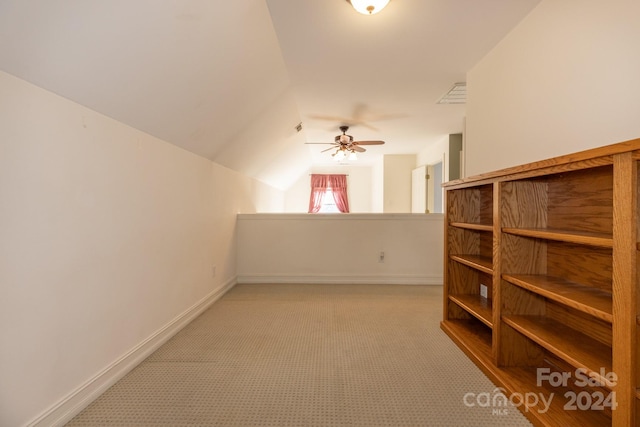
70	406
343	217
348	280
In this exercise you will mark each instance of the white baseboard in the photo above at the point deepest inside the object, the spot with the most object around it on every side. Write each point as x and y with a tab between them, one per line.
371	280
67	408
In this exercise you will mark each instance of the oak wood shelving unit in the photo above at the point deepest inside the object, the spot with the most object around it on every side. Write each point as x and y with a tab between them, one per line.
540	272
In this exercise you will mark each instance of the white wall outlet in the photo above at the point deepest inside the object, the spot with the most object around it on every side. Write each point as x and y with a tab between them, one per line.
213	271
381	257
483	290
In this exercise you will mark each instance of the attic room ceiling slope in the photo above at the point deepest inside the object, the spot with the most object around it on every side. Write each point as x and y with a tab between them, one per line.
231	80
394	65
195	73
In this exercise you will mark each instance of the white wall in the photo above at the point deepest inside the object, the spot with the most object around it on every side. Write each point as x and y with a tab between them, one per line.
377	186
397	182
333	248
435	153
564	80
108	235
358	188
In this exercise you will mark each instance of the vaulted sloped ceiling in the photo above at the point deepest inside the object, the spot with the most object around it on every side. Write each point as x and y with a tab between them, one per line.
231	80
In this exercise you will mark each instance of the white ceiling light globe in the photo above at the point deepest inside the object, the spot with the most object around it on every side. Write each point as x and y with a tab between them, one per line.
368	7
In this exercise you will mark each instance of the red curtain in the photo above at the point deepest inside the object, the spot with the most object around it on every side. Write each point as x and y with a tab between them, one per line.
339	188
320	184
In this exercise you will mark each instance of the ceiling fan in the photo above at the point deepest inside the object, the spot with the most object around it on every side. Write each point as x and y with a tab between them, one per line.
346	146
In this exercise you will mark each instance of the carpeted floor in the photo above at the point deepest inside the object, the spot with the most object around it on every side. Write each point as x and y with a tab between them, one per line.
306	355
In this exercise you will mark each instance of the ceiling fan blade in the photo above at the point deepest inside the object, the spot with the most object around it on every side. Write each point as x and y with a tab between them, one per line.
330	118
327	149
368	142
367	125
358	149
381	117
323	143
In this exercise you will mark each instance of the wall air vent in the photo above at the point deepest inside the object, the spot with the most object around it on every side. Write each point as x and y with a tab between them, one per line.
456	95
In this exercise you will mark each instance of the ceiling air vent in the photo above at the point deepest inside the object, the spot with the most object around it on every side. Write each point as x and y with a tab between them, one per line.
456	95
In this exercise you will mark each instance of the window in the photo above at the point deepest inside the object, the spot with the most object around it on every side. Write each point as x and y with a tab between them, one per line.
328	203
328	194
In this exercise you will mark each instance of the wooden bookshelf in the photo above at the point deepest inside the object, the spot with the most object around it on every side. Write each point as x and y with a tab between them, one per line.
593	301
478	306
474	339
583	238
524	380
472	226
556	245
575	347
475	342
479	262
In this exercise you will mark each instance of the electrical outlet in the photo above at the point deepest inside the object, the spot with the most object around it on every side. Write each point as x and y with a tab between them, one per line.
483	290
381	257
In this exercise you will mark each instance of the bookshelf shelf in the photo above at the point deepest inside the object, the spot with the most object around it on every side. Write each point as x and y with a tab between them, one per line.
575	347
592	301
583	238
472	226
478	306
479	262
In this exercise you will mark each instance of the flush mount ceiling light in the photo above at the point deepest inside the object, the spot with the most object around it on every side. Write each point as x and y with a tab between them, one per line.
368	7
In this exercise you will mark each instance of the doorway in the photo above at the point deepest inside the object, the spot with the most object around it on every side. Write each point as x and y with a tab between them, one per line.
426	189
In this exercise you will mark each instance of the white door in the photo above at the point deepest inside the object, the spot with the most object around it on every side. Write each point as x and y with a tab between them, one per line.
430	190
435	186
419	190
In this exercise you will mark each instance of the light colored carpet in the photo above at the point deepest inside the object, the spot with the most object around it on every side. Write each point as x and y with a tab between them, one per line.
306	355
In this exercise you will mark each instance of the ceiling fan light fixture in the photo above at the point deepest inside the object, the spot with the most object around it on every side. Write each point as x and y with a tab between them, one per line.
368	7
339	155
345	147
